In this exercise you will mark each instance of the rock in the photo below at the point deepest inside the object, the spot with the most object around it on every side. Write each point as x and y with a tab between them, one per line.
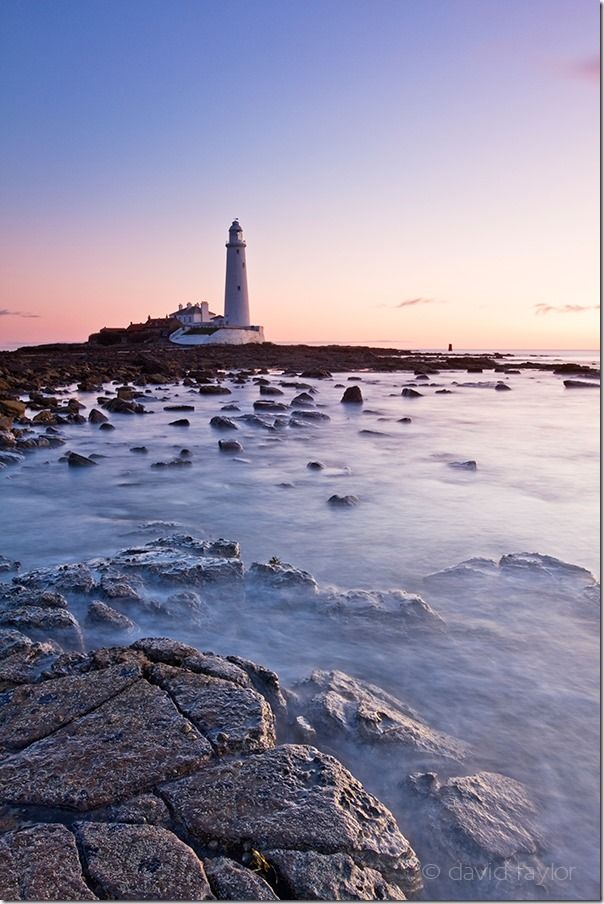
354	710
292	797
343	501
213	389
120	587
309	876
12	408
569	384
389	606
263	680
223	423
315	465
41	863
479	818
409	393
234	719
106	426
97	417
279	577
172	564
140	449
469	465
137	862
42	623
503	387
267	405
122	406
229	445
12	641
302	400
9	564
231	881
145	809
44	418
75	460
25	665
352	394
311	415
443	392
102	616
181	422
270	391
33	711
317	374
123	747
72	578
179	407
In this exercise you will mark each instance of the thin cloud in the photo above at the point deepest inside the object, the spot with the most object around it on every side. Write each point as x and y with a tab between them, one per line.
565	308
410	302
4	312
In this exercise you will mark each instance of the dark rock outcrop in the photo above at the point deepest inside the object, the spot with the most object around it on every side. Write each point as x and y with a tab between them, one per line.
41	863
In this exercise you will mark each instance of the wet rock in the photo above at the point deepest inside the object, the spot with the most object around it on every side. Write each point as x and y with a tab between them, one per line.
234	719
75	460
220	548
139	449
310	803
126	746
104	617
12	408
107	426
305	415
97	417
13	641
24	665
343	501
479	818
231	881
43	623
121	587
409	393
179	407
135	862
302	400
41	863
389	606
265	681
315	465
267	405
9	564
270	391
168	564
223	423
352	394
279	577
360	712
122	406
45	418
309	876
213	389
502	387
33	711
229	445
572	384
469	465
181	422
317	374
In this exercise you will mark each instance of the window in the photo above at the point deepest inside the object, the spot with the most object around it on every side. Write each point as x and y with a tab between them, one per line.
238	251
239	288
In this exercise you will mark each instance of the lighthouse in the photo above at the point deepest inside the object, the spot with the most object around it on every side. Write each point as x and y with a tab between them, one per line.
236	301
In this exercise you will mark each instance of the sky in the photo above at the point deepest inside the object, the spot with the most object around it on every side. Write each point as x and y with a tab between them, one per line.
416	171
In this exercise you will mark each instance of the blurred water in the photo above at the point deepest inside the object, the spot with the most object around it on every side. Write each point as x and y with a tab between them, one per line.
516	674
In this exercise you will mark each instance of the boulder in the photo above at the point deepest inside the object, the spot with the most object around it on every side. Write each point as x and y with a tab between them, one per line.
347	709
502	387
305	415
12	408
315	465
180	422
97	417
279	577
41	863
409	393
569	384
106	426
179	407
469	465
105	618
270	391
292	797
391	607
213	389
343	501
42	623
141	863
75	460
125	746
230	881
352	394
309	876
229	445
219	422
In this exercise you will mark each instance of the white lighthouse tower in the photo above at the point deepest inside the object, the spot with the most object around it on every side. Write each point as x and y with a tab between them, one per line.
236	301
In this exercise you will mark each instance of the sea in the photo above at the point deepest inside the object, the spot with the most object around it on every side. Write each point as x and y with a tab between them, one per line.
517	677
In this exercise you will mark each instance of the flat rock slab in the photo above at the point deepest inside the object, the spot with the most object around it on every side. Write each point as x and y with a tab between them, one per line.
33	711
141	863
127	745
293	797
330	877
231	881
41	863
234	719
